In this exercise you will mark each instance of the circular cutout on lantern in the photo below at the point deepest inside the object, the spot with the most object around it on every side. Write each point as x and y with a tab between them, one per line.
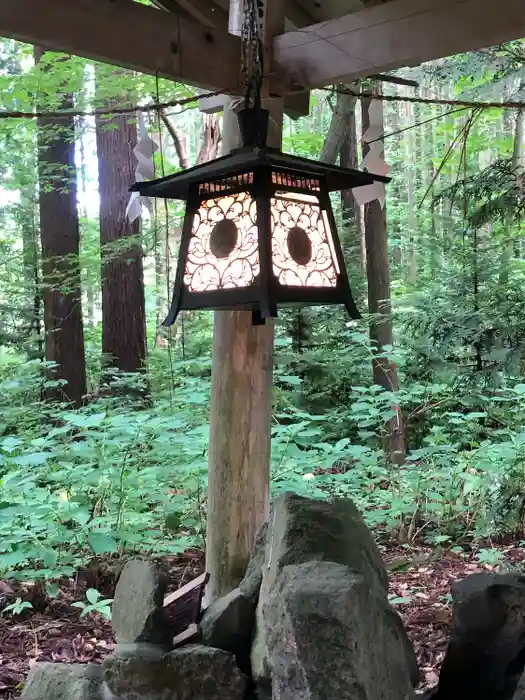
223	238
299	245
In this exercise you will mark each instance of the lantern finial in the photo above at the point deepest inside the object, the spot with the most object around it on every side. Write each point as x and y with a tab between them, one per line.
253	123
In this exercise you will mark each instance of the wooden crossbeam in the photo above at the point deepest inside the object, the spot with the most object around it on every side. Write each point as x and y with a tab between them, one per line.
127	34
378	39
203	11
395	34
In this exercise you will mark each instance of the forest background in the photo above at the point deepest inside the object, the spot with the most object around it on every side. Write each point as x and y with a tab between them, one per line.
104	416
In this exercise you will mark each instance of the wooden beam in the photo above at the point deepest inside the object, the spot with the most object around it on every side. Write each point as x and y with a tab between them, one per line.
203	11
395	34
127	34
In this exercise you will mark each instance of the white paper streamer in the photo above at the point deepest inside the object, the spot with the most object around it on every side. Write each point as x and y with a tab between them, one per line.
145	169
373	161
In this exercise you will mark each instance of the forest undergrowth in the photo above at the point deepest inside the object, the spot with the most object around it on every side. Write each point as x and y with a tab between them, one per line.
104	459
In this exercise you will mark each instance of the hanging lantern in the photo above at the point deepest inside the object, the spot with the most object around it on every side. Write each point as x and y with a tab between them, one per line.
259	230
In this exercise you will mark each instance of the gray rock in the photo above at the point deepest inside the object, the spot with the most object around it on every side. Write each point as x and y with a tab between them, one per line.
47	681
486	652
193	671
520	690
329	636
228	624
251	583
137	611
303	530
395	621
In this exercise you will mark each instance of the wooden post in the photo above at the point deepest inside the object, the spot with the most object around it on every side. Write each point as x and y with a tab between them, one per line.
240	418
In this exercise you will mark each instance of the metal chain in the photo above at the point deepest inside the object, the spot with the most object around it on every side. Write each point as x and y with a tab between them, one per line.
251	51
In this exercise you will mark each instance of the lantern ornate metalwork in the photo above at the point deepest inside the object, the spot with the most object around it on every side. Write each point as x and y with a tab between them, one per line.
259	230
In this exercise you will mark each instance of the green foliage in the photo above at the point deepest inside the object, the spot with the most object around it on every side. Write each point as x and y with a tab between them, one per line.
17	607
95	604
127	473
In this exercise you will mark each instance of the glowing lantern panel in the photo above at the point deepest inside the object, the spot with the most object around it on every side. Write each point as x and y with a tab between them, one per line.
223	251
259	231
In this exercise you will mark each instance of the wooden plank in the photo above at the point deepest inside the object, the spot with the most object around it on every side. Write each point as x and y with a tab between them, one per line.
205	12
395	34
183	590
187	636
127	34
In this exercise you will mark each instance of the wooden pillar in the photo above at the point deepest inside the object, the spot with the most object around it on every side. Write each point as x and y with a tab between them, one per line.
240	417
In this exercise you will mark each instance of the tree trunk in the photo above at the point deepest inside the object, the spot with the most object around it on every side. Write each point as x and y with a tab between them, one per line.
338	129
89	287
59	234
384	371
210	141
122	276
28	226
350	208
518	155
410	140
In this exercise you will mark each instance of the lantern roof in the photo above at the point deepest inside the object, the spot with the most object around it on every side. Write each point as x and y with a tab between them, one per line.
250	159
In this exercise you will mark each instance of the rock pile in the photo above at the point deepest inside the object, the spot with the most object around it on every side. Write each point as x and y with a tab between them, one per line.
310	621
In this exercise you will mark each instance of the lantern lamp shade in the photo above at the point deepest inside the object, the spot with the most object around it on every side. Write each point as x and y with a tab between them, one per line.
259	233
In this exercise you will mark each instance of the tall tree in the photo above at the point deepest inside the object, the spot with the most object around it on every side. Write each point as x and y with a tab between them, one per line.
350	208
379	305
59	235
123	305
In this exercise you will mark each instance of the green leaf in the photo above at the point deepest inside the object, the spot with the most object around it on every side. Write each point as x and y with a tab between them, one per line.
173	521
33	459
85	421
101	543
92	595
290	380
400	600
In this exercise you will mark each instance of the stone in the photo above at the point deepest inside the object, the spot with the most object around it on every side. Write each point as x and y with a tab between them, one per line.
328	636
486	652
137	611
228	624
47	681
520	690
251	583
193	671
398	628
303	530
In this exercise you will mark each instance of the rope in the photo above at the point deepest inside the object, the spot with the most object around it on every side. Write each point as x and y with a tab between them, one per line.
4	114
430	100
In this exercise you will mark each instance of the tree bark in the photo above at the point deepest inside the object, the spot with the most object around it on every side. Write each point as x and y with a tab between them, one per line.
122	276
338	129
350	207
59	235
211	139
30	257
518	155
381	335
410	141
178	143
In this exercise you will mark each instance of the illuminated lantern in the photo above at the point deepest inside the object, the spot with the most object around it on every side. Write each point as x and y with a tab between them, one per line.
259	230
